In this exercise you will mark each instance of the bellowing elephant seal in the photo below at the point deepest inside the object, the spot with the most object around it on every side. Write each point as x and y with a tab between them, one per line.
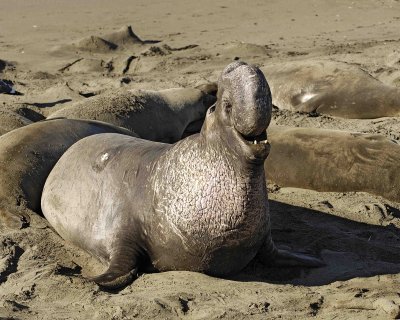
154	115
200	204
332	160
27	156
333	88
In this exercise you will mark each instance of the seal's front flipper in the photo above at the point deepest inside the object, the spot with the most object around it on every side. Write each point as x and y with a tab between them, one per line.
114	279
14	219
123	266
290	258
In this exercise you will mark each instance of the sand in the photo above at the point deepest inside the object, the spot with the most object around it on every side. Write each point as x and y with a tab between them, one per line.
60	52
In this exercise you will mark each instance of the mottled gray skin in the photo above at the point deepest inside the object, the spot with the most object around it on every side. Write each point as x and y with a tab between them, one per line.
200	204
332	160
27	156
154	115
333	88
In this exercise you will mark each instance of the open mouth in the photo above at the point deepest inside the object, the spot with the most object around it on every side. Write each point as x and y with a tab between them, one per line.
260	139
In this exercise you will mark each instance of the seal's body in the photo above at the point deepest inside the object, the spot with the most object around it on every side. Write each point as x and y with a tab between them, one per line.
154	115
153	203
27	156
333	88
333	160
200	204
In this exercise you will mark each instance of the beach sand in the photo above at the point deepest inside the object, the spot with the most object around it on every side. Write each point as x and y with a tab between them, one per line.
57	52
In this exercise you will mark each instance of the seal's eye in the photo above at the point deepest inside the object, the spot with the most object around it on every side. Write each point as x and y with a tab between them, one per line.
211	109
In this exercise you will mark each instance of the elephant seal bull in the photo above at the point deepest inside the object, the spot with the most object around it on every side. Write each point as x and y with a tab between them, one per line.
200	204
333	88
27	156
154	115
332	160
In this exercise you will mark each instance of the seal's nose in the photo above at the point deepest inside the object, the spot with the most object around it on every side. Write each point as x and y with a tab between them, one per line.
251	100
251	112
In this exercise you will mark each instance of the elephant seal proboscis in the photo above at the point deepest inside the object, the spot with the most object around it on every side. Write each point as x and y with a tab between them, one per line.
27	156
200	204
333	160
333	88
154	115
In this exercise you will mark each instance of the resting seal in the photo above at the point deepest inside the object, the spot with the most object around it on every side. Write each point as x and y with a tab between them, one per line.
332	160
154	115
27	156
333	88
200	204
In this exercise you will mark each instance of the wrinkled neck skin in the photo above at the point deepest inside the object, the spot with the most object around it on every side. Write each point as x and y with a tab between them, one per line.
214	192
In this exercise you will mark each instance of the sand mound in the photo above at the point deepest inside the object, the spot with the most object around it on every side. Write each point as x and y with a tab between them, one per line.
157	51
31	113
10	120
142	65
124	37
95	44
57	96
42	75
145	61
242	49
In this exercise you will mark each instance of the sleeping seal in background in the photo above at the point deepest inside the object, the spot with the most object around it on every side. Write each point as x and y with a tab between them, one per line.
333	160
154	115
200	204
27	156
333	88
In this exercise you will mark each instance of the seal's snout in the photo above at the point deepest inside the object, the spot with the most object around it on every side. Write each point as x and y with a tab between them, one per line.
245	90
245	106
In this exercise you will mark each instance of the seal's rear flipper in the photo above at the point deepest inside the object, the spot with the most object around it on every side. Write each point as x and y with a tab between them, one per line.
115	279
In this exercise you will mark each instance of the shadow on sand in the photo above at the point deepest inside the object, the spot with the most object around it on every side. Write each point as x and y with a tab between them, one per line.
349	249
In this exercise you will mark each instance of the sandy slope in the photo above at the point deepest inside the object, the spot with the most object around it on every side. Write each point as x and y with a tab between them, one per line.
55	54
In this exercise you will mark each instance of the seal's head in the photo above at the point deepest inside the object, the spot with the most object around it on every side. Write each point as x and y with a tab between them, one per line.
243	111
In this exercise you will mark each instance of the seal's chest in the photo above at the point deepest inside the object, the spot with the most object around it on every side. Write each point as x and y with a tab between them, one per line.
215	236
212	210
216	207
